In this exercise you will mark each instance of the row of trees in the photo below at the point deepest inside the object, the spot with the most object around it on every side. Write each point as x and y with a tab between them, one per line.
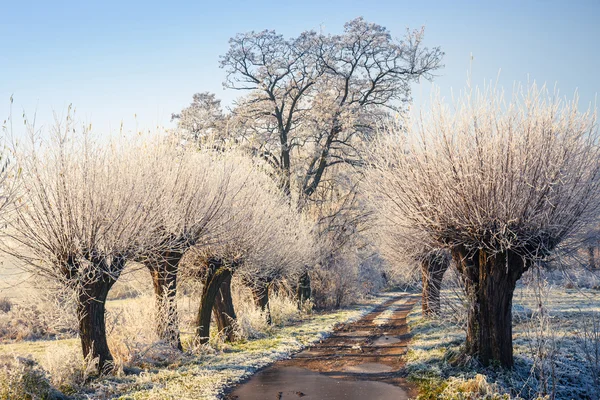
309	107
84	209
500	184
266	191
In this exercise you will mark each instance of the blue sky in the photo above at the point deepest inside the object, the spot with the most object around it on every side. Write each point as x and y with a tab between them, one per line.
117	59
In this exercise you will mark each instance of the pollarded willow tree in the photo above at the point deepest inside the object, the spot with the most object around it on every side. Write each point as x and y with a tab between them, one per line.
258	237
194	185
501	183
283	254
408	250
86	209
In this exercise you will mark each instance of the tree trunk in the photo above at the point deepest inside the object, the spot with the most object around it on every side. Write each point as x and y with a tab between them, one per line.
224	311
261	298
284	158
303	291
433	267
592	258
92	325
164	278
490	282
215	276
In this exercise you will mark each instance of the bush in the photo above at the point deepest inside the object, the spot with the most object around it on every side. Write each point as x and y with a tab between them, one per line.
23	379
42	316
5	304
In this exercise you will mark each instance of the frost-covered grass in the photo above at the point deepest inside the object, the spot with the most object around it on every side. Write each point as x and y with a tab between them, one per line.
207	375
547	349
153	371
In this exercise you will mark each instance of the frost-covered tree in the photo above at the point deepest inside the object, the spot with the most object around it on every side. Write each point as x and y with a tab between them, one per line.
86	209
500	183
194	186
260	237
289	248
8	171
408	252
318	94
204	117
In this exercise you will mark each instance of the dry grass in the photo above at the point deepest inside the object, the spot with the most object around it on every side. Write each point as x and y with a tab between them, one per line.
23	379
148	368
549	360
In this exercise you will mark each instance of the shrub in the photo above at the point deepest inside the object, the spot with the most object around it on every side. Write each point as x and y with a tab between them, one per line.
23	379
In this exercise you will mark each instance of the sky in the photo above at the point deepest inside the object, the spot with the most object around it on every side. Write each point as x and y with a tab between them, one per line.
136	62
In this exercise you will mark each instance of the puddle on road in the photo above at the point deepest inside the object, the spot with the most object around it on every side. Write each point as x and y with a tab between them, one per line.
386	340
294	383
369	368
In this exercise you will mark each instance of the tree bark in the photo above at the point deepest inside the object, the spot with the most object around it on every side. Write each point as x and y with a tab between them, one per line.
92	325
303	292
592	258
164	279
224	311
433	267
490	281
285	162
214	278
261	298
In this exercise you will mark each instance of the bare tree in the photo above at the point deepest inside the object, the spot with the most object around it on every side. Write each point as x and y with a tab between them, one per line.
194	185
259	238
289	248
341	220
8	171
279	73
203	117
499	183
434	265
408	249
87	209
320	93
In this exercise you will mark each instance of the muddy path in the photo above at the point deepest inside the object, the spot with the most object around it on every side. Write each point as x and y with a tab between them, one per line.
360	360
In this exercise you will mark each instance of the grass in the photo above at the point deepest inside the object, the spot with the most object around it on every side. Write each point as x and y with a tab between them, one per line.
36	349
207	376
156	371
547	351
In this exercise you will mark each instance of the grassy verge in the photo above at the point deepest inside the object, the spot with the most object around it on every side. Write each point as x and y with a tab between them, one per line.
199	373
549	360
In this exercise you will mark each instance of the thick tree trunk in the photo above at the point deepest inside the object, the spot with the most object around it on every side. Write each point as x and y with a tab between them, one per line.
92	325
164	278
303	292
261	298
215	276
433	267
490	281
224	311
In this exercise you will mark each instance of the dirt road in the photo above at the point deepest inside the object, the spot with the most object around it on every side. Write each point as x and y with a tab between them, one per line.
360	360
